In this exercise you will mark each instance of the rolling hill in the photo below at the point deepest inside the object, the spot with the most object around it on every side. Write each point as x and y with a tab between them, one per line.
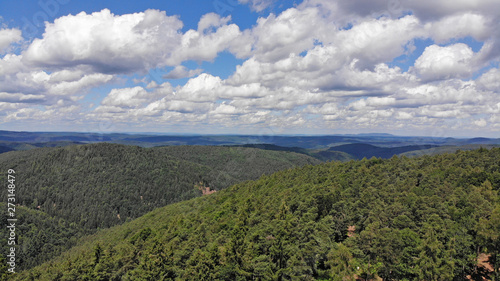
321	154
315	142
362	150
447	149
403	218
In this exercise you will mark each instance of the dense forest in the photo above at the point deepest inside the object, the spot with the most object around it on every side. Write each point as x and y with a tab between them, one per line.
426	218
75	190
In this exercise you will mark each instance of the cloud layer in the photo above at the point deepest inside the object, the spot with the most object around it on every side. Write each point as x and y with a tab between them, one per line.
419	67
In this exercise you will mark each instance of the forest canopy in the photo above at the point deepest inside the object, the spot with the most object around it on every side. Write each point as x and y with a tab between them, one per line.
64	193
425	218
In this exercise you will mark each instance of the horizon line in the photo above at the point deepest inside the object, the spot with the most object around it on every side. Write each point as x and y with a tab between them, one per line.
240	134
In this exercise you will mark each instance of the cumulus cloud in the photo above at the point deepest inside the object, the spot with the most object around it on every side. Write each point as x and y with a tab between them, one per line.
427	10
257	5
202	88
378	40
20	98
213	36
11	64
431	10
129	97
457	26
181	71
321	64
17	78
108	43
275	37
71	85
490	80
7	37
445	62
326	59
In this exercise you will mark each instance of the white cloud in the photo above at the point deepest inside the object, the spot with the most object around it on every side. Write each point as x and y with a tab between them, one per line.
202	88
75	85
341	59
346	13
181	71
430	9
490	52
50	115
481	123
6	107
490	80
445	62
275	37
225	109
7	37
257	5
211	21
18	78
129	97
181	106
107	42
402	115
213	36
378	41
460	26
20	98
322	64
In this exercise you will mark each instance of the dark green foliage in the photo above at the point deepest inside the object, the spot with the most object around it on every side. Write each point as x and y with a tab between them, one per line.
267	146
408	219
5	149
39	236
76	190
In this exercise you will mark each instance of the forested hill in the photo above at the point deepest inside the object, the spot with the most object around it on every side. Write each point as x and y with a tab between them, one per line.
402	218
93	184
101	185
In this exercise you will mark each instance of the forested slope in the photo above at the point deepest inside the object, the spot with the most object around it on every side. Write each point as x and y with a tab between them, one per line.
100	185
39	236
403	218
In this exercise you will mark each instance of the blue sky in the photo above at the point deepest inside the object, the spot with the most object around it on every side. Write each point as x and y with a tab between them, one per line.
251	66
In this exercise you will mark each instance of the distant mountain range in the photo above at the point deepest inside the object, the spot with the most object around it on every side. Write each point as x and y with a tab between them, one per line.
324	148
10	139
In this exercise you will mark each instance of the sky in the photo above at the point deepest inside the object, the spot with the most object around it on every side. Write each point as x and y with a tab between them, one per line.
405	67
